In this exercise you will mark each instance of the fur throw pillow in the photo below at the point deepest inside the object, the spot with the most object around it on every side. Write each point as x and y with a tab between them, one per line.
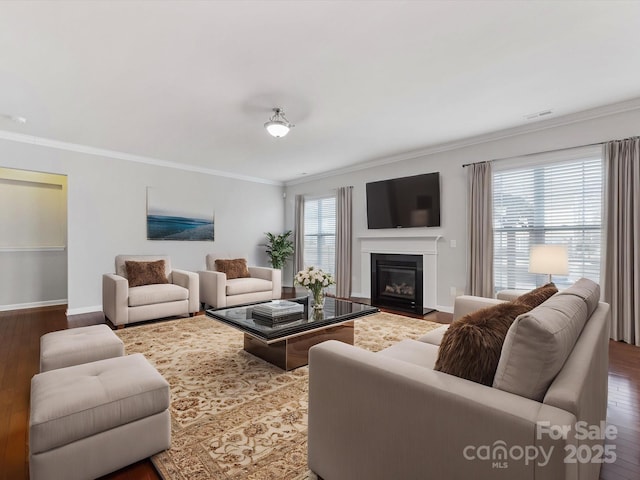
472	345
145	273
235	268
537	296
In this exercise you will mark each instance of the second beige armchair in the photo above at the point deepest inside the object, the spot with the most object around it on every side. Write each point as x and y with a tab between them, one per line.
219	290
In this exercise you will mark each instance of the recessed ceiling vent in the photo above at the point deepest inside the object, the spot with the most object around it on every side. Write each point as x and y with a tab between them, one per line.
534	116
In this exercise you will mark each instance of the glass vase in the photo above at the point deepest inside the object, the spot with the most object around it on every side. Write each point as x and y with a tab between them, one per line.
318	299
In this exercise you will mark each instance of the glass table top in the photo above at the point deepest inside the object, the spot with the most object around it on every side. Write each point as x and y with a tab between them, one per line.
334	311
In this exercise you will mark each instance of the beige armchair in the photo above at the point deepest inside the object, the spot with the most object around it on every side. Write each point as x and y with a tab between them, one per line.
123	304
217	291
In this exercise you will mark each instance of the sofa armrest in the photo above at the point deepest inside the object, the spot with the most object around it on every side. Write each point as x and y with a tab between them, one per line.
468	303
115	298
274	275
265	273
190	281
213	288
375	417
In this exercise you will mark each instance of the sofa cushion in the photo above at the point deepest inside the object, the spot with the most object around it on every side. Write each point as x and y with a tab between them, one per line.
234	268
413	351
145	273
537	296
537	345
238	286
472	344
153	294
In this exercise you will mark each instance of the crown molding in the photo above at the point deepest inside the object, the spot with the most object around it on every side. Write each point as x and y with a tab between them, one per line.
101	152
584	115
611	109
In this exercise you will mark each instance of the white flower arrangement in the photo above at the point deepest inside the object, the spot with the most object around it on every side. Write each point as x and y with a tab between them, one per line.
315	280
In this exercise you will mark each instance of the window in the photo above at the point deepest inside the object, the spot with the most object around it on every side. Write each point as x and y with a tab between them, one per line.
552	203
320	233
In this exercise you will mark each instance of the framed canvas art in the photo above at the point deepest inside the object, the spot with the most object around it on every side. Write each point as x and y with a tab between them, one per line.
176	215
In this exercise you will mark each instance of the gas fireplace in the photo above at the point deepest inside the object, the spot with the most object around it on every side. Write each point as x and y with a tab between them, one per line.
396	281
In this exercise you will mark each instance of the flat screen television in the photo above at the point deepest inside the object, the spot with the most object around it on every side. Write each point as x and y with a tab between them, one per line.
404	202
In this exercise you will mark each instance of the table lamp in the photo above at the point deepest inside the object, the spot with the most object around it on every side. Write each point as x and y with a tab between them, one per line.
549	259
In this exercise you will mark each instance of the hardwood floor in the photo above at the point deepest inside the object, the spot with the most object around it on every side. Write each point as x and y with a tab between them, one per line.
20	333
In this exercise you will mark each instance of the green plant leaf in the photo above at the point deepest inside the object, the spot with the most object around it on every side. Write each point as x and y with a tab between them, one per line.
279	248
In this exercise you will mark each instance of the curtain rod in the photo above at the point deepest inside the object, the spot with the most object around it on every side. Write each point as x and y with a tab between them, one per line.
534	153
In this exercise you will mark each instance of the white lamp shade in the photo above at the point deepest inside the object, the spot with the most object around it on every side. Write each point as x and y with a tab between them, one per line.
277	128
549	259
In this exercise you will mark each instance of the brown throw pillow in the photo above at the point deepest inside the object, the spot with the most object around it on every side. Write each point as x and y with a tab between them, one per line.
145	273
235	268
537	296
472	345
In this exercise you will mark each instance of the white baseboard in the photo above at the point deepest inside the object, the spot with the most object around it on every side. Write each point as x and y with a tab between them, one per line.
22	306
80	311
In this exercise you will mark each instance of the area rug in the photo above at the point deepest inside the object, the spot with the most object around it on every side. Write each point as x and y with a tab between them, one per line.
235	416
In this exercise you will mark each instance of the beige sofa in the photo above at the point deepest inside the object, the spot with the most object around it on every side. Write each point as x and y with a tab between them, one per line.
217	291
123	305
390	415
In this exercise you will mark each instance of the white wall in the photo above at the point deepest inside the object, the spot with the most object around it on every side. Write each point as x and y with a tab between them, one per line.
452	261
107	213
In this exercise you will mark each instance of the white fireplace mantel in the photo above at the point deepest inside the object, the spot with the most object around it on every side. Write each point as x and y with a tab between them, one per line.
409	244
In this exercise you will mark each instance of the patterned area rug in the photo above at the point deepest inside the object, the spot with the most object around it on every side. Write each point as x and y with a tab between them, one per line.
235	416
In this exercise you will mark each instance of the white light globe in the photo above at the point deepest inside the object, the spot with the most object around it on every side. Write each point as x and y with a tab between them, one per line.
276	128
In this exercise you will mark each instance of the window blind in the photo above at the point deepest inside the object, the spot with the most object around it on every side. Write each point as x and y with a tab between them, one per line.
557	203
320	233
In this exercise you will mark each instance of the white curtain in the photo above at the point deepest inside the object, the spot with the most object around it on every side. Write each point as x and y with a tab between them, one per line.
621	278
298	235
480	230
343	241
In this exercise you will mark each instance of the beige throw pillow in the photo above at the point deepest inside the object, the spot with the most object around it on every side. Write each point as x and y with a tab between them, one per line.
539	342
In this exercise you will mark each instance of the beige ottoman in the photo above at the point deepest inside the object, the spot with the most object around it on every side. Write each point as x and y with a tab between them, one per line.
92	419
74	346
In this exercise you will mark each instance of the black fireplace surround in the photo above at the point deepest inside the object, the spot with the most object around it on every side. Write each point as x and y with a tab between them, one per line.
396	281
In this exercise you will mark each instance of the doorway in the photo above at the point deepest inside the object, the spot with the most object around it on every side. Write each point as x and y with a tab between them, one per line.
33	239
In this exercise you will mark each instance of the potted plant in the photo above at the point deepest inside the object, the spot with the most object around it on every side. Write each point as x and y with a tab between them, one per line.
279	248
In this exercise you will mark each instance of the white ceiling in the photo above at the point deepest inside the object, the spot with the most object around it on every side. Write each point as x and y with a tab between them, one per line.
193	82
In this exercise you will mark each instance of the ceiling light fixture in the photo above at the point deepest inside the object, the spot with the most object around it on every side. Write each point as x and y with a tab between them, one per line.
278	125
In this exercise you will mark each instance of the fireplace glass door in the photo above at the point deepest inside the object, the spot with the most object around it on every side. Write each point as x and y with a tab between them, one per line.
396	281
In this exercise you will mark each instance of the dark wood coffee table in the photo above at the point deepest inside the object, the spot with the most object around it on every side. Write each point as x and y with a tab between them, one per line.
287	345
